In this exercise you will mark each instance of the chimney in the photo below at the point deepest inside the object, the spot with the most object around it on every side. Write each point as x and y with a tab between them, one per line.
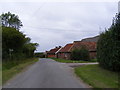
59	46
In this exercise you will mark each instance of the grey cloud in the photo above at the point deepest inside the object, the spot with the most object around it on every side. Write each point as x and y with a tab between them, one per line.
53	24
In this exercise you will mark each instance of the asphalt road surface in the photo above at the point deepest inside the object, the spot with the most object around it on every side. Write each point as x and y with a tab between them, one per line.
46	73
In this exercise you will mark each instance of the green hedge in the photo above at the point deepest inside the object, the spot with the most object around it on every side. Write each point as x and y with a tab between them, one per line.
108	47
80	54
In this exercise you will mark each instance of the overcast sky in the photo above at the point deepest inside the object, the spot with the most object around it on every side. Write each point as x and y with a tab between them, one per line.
57	23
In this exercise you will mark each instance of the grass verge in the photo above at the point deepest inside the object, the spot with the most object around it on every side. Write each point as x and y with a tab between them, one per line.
72	61
8	73
97	77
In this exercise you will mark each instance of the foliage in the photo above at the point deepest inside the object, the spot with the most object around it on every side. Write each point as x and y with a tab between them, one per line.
41	55
11	40
80	54
108	47
29	49
11	20
15	44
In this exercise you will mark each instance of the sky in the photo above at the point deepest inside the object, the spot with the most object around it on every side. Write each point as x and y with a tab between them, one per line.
58	23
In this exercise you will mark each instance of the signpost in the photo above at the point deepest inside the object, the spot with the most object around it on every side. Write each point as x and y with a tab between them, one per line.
10	52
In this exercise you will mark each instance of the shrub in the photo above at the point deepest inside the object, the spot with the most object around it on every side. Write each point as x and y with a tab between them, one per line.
80	54
40	55
108	47
15	44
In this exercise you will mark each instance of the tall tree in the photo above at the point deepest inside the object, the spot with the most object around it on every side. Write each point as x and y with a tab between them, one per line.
11	20
13	40
15	44
108	46
29	49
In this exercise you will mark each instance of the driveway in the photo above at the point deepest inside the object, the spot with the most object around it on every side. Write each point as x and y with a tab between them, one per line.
46	73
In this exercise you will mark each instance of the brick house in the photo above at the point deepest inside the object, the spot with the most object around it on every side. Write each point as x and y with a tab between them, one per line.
64	52
91	39
52	52
90	46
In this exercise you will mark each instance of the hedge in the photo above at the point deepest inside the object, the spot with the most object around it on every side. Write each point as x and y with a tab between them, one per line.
108	47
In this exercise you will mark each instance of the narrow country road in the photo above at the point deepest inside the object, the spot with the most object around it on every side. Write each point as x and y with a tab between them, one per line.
46	73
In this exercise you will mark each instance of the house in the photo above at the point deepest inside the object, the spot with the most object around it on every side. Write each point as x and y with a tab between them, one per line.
91	39
64	52
52	52
90	46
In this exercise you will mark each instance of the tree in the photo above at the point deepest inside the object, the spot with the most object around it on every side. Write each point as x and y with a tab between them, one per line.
11	20
12	39
15	43
29	49
80	54
40	55
108	46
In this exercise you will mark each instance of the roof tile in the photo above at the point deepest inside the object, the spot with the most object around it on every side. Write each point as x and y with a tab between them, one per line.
66	48
91	46
53	50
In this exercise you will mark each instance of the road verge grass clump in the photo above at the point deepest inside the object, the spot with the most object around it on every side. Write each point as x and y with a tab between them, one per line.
72	61
9	72
97	77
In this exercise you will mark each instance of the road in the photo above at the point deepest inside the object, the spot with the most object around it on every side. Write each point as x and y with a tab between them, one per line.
46	73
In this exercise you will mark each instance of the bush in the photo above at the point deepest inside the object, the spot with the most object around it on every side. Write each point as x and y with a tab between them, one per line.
13	40
108	47
15	45
40	55
80	54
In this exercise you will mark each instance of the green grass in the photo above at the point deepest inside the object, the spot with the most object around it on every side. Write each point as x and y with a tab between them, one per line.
97	77
72	61
8	73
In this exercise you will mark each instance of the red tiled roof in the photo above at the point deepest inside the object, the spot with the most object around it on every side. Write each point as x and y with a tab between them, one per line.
91	46
66	48
53	50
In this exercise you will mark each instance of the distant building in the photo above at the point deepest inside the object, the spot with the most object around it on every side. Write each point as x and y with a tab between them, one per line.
90	46
52	52
65	52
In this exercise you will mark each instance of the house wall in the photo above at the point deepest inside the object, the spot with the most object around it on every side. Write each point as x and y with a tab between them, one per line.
63	55
68	55
51	56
